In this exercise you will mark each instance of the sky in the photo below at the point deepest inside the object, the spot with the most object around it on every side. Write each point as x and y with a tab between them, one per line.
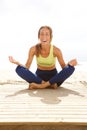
20	21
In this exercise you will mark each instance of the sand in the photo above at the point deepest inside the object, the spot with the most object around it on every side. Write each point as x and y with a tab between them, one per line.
65	105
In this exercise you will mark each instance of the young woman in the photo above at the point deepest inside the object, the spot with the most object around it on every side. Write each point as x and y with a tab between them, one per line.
46	54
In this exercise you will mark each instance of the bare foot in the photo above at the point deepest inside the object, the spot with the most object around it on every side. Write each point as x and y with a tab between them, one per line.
40	86
54	86
34	86
30	86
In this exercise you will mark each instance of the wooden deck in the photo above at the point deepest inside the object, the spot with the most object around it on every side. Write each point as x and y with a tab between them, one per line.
66	105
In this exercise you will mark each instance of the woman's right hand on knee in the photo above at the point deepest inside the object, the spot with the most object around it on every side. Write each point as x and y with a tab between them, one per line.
12	60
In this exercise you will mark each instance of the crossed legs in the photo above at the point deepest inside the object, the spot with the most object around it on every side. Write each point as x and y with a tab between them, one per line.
36	82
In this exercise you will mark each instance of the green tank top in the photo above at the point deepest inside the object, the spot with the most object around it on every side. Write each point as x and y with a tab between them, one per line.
48	61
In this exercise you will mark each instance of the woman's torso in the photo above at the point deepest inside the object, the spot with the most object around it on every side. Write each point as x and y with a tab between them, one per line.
46	61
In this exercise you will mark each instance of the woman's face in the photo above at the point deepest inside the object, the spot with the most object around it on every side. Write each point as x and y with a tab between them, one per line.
44	35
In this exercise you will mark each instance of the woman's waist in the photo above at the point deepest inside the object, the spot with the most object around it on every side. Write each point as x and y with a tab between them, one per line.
46	67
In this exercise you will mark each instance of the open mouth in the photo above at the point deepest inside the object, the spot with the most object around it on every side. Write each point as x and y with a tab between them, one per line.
44	41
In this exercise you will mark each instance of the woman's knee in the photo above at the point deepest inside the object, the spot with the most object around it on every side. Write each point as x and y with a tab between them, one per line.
71	68
18	69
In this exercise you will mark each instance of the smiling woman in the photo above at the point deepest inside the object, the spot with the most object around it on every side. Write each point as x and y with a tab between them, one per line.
46	54
20	19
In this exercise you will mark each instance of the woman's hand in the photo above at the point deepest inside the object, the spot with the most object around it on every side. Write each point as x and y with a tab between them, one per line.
73	62
12	60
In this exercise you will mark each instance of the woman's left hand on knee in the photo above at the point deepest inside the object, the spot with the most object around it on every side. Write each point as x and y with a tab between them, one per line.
73	62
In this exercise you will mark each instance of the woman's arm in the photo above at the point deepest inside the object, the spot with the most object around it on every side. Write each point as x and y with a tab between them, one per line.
31	54
29	60
58	54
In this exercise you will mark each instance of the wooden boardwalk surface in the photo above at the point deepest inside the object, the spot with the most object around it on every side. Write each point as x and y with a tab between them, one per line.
65	105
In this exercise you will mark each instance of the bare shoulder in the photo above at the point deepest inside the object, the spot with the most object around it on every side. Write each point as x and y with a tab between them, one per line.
56	51
32	49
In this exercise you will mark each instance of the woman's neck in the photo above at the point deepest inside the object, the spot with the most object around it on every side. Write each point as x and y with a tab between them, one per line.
45	47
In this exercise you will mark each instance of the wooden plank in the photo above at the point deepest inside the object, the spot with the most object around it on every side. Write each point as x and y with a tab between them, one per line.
65	105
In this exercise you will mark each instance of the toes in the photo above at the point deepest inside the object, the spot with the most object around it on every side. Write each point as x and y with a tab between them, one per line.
54	86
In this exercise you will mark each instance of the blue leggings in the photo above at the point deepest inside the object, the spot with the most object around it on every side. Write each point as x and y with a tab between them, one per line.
47	75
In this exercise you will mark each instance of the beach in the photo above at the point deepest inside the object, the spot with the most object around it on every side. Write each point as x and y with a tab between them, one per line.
9	76
66	105
64	108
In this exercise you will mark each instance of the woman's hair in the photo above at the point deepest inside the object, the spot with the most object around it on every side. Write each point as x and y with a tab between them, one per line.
49	28
38	46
